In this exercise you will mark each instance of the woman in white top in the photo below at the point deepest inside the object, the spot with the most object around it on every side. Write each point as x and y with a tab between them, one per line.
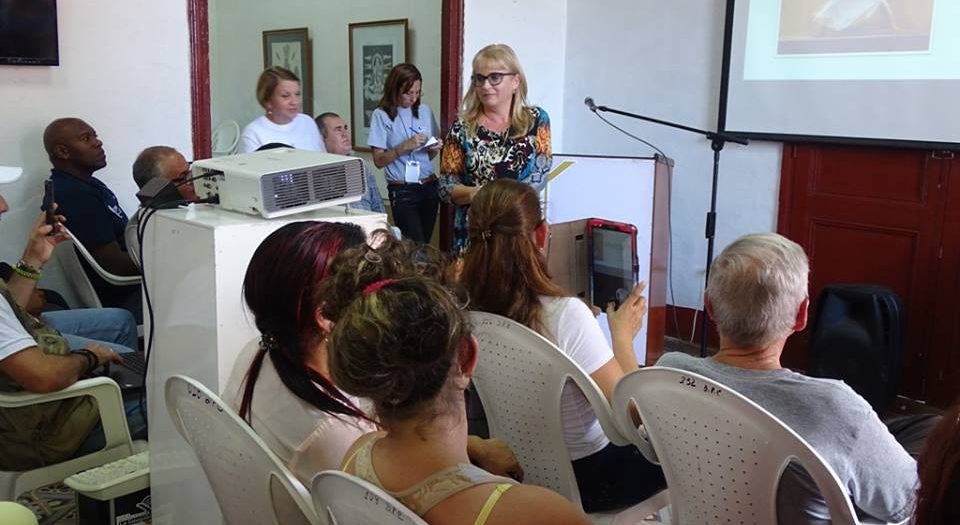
282	388
278	92
505	271
404	342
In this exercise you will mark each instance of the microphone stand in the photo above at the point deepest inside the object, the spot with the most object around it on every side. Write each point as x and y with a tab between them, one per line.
717	140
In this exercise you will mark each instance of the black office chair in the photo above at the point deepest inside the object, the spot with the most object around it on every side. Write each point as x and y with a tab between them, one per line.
857	337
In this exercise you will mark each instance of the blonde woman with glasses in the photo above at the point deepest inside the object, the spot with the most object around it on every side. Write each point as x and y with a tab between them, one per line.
498	135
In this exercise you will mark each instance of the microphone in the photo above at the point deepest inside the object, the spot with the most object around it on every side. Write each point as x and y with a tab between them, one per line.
589	102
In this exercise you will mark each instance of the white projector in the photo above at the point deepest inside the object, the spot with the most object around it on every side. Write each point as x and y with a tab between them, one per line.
282	181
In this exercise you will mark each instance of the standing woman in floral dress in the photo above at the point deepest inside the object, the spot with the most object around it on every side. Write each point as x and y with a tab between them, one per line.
498	135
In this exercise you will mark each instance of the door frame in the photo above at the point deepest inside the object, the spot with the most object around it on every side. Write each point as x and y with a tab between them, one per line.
198	20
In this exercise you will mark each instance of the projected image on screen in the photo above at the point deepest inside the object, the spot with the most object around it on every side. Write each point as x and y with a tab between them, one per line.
854	26
877	70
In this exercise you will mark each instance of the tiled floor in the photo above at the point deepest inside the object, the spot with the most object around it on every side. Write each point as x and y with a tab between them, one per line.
54	504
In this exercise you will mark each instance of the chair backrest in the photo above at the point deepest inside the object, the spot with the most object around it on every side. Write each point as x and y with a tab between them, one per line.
348	500
117	443
77	279
116	280
225	138
519	377
722	454
250	482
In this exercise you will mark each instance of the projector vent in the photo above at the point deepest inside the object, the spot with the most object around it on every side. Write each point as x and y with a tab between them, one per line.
337	180
288	189
314	186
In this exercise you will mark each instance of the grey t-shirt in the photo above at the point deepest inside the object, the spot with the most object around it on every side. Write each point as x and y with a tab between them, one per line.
877	473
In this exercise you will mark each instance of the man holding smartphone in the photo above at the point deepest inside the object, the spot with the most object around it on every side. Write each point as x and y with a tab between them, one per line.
36	357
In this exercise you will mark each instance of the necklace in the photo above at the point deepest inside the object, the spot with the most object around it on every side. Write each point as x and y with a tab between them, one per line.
495	125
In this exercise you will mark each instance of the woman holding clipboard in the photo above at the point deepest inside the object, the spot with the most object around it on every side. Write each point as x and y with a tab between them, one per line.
402	137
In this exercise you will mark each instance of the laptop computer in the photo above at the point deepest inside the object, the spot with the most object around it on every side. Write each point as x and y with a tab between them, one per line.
128	375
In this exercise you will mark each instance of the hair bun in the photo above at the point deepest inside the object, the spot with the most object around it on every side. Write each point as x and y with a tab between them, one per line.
397	327
398	346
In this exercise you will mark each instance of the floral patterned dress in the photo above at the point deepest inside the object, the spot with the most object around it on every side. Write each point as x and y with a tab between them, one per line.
476	159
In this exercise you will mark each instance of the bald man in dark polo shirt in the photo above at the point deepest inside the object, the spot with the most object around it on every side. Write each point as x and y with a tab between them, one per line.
92	211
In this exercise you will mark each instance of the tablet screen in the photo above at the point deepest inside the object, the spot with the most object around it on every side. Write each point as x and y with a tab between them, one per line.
613	274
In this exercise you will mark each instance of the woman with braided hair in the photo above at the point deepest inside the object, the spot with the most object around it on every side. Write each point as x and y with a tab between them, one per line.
505	272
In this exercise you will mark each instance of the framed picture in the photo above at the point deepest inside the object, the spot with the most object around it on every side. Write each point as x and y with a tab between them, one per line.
375	47
292	49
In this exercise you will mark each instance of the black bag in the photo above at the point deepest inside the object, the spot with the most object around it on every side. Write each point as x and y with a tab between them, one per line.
857	337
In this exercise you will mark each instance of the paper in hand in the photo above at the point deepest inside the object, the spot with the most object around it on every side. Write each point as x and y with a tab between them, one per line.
430	142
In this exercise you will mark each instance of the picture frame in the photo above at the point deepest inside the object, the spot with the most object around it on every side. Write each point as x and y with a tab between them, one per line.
374	47
292	49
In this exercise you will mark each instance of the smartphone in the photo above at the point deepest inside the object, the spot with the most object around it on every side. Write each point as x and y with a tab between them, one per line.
48	204
612	259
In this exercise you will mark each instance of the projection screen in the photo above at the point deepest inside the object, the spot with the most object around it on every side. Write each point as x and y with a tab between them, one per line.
849	69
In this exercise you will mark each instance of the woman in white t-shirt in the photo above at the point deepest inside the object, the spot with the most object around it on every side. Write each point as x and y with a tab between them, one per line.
282	387
278	92
505	271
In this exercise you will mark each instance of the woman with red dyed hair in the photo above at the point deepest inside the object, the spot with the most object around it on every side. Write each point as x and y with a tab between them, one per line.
282	387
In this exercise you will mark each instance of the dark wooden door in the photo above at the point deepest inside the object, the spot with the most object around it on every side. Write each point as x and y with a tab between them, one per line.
943	377
869	215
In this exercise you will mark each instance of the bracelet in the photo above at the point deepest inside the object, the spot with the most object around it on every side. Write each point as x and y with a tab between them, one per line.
92	360
26	271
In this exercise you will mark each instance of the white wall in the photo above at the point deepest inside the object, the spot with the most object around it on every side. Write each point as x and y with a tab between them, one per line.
236	49
536	30
656	58
663	60
125	69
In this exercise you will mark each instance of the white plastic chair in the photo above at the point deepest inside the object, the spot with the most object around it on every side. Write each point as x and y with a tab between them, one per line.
250	482
721	453
114	279
226	138
16	514
519	377
106	393
348	500
78	280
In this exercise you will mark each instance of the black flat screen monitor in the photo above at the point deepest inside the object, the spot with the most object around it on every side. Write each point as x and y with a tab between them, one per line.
28	33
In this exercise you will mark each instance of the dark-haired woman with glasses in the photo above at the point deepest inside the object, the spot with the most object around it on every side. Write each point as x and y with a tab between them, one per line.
498	135
401	129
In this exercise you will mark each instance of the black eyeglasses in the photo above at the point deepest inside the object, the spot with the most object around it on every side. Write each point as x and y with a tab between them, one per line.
494	78
184	175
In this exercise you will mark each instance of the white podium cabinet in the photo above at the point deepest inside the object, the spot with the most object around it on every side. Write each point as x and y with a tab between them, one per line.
194	263
634	190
